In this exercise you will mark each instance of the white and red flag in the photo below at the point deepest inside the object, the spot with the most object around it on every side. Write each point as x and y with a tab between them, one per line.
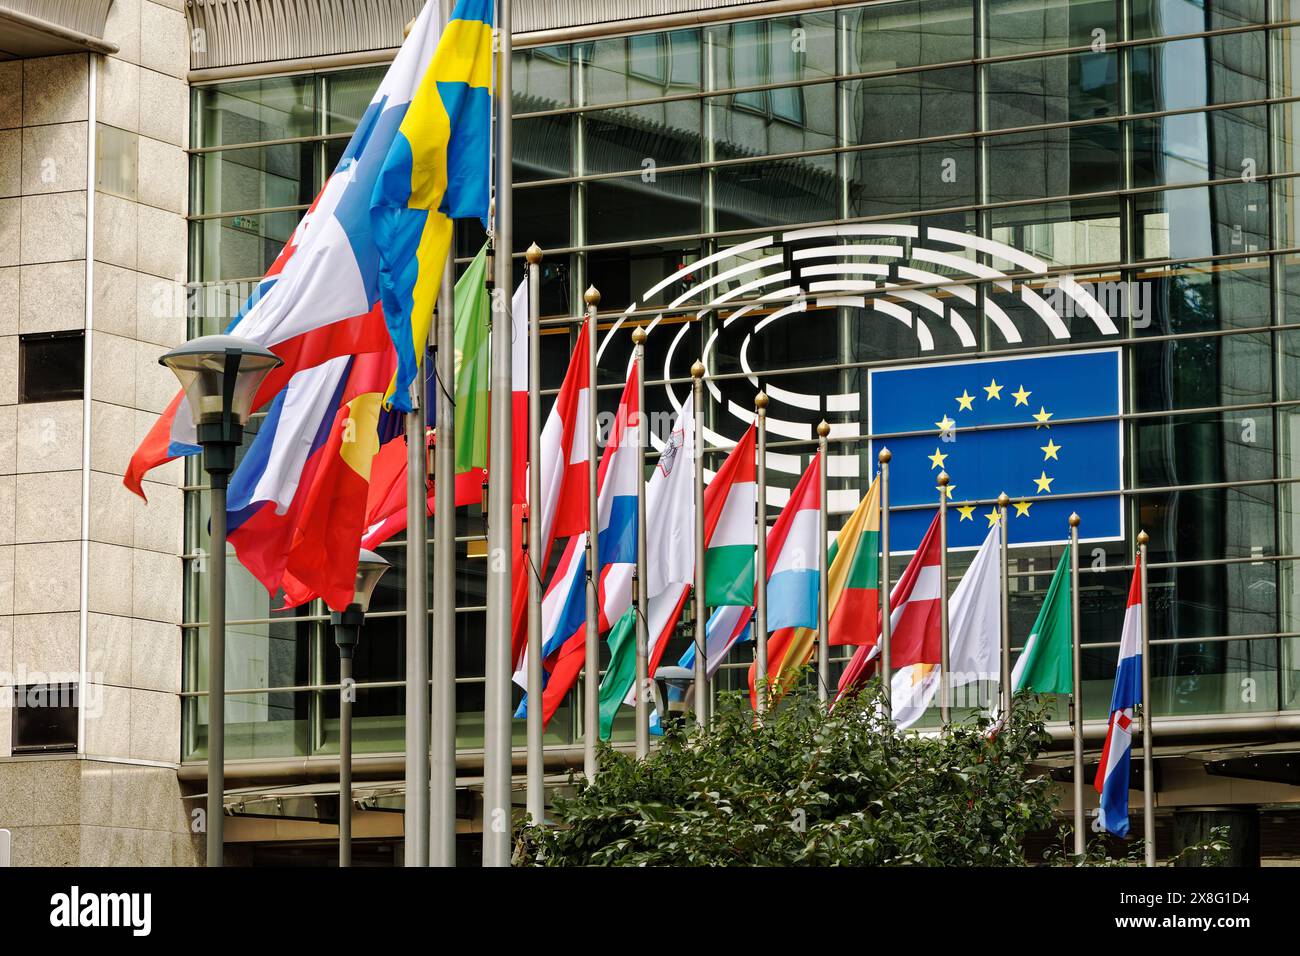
1113	770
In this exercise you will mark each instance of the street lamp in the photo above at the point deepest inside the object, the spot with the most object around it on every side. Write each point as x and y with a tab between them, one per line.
347	634
220	375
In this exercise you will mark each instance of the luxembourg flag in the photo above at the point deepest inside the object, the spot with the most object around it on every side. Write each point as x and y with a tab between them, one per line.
1113	770
320	299
793	578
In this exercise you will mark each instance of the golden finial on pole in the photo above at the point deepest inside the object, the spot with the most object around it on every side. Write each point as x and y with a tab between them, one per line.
1142	538
406	30
639	335
591	296
760	401
697	370
823	429
943	479
885	456
1074	519
534	254
1003	500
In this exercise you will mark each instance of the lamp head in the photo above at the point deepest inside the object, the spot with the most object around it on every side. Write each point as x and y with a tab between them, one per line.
370	568
220	375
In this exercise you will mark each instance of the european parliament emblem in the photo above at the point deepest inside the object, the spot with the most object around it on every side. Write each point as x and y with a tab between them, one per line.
999	425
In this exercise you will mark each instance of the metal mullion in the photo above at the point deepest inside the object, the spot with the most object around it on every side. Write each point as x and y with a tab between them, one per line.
204	217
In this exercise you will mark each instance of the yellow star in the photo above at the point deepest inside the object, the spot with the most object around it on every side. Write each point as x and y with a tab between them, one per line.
936	460
1044	484
947	490
992	516
1021	397
1022	508
964	401
994	390
1041	416
1050	449
945	426
967	512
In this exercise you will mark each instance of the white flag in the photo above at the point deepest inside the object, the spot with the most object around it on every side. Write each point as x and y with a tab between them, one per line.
974	638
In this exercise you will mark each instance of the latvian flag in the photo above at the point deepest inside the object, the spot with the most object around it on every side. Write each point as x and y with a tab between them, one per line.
1113	772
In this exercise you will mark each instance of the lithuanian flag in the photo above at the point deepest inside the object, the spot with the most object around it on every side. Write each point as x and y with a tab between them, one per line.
854	579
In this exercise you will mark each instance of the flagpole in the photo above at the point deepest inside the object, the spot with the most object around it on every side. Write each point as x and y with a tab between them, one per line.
944	708
416	816
700	608
639	576
823	585
1003	501
441	834
1148	770
760	559
886	625
1076	695
591	666
536	754
497	756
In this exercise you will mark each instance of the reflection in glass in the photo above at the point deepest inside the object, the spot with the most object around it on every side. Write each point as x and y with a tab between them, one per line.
776	193
1052	89
1192	147
1185	74
1018	27
1204	221
910	105
1066	161
889	36
251	111
902	179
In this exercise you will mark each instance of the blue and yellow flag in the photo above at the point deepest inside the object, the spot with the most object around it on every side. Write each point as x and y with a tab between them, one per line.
437	169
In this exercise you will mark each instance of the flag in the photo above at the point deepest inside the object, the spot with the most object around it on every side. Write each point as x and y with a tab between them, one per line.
519	353
472	367
974	637
670	566
434	106
793	549
562	508
1046	665
727	626
567	581
386	513
1113	769
729	528
788	650
954	417
914	617
296	504
853	580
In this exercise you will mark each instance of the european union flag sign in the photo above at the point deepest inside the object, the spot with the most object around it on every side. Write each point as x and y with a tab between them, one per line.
964	408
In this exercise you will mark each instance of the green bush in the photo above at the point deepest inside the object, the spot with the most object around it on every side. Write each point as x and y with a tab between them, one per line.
808	788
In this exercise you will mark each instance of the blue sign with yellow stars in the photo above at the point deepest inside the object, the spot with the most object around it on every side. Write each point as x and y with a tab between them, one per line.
998	425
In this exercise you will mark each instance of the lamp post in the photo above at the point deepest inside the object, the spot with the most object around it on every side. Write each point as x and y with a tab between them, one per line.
347	634
220	375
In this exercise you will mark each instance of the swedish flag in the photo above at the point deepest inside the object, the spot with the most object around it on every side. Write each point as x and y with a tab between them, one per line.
436	171
998	425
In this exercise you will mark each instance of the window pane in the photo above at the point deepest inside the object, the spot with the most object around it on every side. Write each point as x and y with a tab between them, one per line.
1061	233
768	122
776	193
1200	297
1157	18
1202	373
1019	27
1054	162
262	177
1052	89
623	275
887	36
910	105
541	79
642	137
1204	221
255	110
905	179
1191	147
542	215
240	247
631	208
347	95
1191	449
1185	74
51	366
543	148
641	67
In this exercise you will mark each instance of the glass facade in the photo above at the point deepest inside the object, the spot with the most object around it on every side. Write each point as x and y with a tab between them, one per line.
1152	157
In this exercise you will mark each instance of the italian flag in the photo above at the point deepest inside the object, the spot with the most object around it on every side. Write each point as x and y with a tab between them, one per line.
729	528
1046	665
853	583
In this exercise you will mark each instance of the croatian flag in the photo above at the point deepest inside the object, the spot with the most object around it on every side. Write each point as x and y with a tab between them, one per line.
1113	771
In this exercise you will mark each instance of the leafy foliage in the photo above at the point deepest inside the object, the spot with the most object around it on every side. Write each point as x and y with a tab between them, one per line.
809	788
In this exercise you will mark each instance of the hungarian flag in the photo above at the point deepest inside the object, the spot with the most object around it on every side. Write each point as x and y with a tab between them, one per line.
914	617
1046	665
853	583
729	528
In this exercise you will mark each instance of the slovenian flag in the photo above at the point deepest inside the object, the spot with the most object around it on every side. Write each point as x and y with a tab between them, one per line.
1113	771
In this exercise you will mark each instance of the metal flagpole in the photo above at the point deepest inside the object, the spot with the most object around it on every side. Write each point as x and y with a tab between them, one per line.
1005	671
496	692
823	584
1076	697
699	606
944	702
760	558
639	576
441	840
536	753
1148	770
416	821
591	667
886	625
